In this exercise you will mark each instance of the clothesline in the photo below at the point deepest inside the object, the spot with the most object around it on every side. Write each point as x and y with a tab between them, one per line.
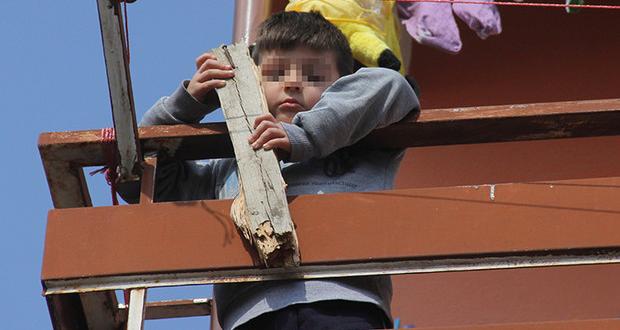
520	4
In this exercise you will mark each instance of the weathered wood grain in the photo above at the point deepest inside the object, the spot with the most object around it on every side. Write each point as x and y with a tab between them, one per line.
119	84
261	210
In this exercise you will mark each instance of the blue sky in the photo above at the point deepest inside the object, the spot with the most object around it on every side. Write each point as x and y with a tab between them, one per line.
52	78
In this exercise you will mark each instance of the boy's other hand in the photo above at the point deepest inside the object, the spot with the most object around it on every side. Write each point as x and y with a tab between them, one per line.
269	134
210	74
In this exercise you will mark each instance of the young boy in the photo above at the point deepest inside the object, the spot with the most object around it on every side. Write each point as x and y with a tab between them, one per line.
318	109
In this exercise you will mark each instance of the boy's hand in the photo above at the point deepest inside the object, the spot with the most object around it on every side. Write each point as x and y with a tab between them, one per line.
269	134
209	75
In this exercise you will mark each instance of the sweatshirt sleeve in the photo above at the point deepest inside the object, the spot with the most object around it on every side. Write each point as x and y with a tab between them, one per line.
349	110
180	108
177	180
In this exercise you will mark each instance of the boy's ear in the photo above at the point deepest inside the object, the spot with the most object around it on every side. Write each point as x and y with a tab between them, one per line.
251	48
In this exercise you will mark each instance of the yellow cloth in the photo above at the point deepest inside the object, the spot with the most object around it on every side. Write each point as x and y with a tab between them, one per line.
369	25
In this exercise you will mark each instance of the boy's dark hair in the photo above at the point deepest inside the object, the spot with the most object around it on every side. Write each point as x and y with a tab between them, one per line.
287	30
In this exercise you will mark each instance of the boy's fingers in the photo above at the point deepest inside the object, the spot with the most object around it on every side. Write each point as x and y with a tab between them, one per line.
264	117
270	134
211	84
213	63
262	127
214	74
200	60
280	143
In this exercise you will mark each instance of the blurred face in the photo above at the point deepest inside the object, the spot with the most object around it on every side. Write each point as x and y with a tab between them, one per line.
293	80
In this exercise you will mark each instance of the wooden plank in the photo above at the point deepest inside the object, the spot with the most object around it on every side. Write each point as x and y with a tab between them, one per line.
135	314
260	211
119	83
518	122
525	221
173	309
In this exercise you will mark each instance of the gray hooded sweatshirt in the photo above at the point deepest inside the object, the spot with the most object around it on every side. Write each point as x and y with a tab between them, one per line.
347	111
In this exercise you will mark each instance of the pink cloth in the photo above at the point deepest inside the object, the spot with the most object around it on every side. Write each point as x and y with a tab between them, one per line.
431	24
482	19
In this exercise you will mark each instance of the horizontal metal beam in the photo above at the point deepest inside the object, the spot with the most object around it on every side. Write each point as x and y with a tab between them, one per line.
458	228
172	309
431	127
421	266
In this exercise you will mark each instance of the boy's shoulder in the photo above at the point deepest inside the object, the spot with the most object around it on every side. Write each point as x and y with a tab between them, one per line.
384	76
376	76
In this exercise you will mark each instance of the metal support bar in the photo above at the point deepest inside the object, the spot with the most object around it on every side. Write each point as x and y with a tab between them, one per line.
119	83
173	309
99	310
412	266
137	303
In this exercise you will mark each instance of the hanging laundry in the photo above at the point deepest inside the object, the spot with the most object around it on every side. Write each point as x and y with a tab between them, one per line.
369	25
431	24
483	19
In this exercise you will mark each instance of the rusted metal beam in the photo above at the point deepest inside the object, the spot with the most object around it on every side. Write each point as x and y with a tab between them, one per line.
66	311
100	311
85	148
94	310
173	309
432	127
67	184
459	228
517	122
348	268
119	83
64	153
